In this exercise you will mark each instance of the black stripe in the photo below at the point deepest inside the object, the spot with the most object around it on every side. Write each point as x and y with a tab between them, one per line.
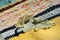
50	18
13	35
7	29
9	36
10	6
48	10
53	17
